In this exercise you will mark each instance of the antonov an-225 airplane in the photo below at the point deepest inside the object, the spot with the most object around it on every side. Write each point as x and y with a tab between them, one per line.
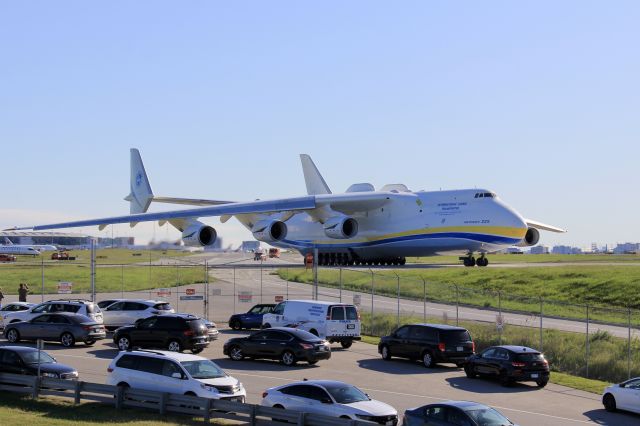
360	226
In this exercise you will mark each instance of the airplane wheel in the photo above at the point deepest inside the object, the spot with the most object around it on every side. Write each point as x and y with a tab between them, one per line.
403	261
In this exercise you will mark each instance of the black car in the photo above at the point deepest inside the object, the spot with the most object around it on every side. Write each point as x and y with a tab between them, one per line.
430	343
175	332
509	364
252	318
286	344
24	360
455	413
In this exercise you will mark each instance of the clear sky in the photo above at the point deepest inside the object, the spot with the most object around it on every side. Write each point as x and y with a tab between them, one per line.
538	101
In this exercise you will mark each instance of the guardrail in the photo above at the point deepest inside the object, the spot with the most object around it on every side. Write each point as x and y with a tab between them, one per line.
163	402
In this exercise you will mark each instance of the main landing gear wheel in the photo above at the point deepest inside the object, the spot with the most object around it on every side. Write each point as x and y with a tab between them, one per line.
468	261
482	261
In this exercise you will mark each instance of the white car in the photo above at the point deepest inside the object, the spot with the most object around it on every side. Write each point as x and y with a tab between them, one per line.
76	306
128	311
331	398
174	372
13	307
623	396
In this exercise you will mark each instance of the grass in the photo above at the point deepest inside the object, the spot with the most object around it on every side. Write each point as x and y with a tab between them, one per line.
107	256
16	410
537	258
565	351
608	289
127	272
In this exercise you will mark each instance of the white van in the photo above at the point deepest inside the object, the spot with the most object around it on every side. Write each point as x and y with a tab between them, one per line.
336	322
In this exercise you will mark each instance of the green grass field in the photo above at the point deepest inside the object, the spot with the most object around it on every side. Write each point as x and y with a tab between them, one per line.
107	256
116	270
565	289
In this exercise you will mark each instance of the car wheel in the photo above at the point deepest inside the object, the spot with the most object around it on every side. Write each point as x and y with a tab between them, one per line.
288	358
386	353
174	346
196	350
542	383
427	360
267	325
235	325
13	336
235	353
89	342
609	403
124	343
67	340
346	344
469	371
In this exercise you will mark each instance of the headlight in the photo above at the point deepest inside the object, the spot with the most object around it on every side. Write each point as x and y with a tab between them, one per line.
52	375
208	388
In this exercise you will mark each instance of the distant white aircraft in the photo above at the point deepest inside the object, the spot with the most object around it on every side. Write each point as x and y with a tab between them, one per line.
18	250
38	247
360	226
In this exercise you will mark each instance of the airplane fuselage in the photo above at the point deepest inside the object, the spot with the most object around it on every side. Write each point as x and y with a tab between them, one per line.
18	250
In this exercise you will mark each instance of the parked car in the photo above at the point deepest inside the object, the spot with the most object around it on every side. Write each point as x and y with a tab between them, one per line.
172	372
77	306
65	327
24	360
454	413
430	343
331	398
175	332
623	396
128	311
289	345
509	364
13	307
336	322
252	318
212	330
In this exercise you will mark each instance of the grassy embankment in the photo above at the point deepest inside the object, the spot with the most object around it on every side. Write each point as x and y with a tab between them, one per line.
115	267
565	351
16	410
565	289
497	259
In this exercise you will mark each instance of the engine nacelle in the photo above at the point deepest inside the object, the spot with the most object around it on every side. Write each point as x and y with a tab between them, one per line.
531	238
269	231
341	227
197	234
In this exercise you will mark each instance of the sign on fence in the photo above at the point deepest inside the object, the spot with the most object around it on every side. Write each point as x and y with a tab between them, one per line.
164	292
357	300
190	291
245	297
65	287
191	297
278	299
216	292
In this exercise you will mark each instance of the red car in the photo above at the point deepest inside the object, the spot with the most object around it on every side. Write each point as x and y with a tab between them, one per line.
7	258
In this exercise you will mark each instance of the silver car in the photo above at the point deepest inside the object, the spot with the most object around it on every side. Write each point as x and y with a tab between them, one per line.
67	328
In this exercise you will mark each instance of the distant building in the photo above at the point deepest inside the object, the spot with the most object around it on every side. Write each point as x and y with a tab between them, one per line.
250	245
566	250
539	250
627	248
513	250
64	239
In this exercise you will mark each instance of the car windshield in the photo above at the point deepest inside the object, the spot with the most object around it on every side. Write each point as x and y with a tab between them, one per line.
203	369
32	358
346	394
488	417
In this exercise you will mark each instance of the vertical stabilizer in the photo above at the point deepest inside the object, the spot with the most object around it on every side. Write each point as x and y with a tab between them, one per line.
141	194
312	177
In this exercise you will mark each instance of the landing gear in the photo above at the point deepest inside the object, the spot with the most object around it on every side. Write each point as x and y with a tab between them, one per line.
482	261
470	261
346	259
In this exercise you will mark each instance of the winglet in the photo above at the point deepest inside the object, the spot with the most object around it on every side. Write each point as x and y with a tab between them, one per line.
312	177
141	194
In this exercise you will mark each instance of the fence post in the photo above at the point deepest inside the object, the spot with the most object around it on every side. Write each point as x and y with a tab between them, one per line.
234	289
541	315
629	343
206	302
501	319
424	300
177	291
301	419
587	343
398	300
122	279
207	413
119	397
36	387
340	285
457	305
76	392
260	279
372	283
163	403
253	415
287	284
42	272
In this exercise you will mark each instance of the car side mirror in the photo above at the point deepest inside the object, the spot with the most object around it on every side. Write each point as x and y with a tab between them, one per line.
622	385
176	375
326	401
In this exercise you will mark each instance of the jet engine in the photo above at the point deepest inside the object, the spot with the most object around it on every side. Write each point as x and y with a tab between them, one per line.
197	234
531	238
341	227
269	230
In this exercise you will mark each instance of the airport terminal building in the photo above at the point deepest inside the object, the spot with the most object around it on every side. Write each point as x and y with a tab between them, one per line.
63	239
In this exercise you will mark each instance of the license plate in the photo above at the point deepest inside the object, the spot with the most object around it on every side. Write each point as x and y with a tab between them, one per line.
351	326
534	376
460	349
389	423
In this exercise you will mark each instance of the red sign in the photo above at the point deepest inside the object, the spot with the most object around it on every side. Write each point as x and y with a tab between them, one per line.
191	291
279	299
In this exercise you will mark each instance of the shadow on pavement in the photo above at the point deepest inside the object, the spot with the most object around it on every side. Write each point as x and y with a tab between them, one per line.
262	365
402	367
104	353
602	417
488	385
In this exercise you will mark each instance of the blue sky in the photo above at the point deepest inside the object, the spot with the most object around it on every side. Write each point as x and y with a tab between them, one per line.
539	101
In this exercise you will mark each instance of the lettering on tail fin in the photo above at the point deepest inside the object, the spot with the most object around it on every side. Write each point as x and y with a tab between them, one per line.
141	194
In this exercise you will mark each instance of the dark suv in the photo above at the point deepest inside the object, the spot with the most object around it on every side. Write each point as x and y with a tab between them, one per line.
430	343
509	364
174	332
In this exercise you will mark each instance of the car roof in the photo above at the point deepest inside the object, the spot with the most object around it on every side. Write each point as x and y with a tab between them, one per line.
441	326
320	302
19	348
21	304
317	382
463	405
176	356
67	301
519	349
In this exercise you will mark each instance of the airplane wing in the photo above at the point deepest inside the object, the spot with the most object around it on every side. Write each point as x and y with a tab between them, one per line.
346	203
189	201
543	226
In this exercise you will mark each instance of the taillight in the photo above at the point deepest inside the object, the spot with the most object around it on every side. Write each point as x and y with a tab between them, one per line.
188	333
442	347
519	364
264	394
86	327
306	346
109	370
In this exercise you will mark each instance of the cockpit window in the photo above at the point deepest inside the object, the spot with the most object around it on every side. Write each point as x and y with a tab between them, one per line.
485	195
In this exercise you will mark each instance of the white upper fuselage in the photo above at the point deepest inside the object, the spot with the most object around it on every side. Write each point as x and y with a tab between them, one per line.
18	250
417	224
